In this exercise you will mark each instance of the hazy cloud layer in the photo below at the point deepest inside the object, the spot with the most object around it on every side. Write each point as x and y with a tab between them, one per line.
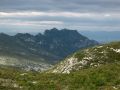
61	5
37	15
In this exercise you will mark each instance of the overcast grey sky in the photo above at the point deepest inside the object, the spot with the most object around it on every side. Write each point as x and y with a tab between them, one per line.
38	15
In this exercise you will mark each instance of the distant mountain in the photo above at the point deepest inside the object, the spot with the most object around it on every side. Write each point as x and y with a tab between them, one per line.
89	58
63	42
102	36
47	48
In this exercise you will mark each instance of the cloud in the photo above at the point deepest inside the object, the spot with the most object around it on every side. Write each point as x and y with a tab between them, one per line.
52	14
37	15
62	5
59	14
29	23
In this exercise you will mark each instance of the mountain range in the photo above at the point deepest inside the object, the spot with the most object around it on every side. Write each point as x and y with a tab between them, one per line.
38	52
102	36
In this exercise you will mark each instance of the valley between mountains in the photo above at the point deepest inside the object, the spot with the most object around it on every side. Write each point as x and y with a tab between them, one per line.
58	60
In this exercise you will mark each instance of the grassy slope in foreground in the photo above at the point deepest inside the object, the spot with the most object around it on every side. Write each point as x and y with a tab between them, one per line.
106	77
103	77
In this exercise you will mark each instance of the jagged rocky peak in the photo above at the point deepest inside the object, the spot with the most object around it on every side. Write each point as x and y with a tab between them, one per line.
53	29
51	32
71	32
25	35
39	37
63	33
2	35
39	34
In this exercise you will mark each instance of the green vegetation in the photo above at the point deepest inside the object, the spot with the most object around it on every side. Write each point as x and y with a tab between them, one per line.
106	77
90	57
103	77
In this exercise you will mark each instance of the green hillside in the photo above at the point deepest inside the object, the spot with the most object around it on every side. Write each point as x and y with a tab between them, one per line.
105	76
90	57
